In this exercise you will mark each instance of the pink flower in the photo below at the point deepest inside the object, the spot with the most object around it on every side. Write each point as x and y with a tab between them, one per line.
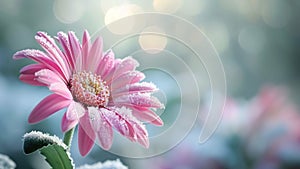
99	91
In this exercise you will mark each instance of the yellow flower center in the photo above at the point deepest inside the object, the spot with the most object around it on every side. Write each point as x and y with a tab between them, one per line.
89	89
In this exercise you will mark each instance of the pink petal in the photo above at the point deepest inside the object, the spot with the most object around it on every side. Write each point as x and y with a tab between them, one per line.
126	124
42	58
86	135
117	121
147	115
142	135
47	107
75	50
95	54
106	64
67	124
110	74
85	49
101	127
64	41
48	77
54	52
32	68
105	135
53	81
127	64
61	89
143	87
30	79
138	100
75	111
126	78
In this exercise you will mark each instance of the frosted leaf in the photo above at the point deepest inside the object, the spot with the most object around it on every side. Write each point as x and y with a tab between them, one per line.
106	165
6	162
36	140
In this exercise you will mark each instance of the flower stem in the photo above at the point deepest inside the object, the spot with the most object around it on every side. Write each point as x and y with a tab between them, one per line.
68	137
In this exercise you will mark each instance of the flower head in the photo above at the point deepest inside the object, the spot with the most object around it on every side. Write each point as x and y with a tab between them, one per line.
98	91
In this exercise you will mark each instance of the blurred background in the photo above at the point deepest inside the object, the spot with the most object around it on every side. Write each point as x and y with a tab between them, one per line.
258	44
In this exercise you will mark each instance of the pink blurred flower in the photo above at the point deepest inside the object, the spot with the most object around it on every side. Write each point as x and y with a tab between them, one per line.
99	91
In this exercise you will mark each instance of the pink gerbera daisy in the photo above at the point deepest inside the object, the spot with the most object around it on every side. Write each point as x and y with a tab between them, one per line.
99	91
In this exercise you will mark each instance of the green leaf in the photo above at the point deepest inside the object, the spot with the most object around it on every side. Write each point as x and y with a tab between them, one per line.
57	157
55	151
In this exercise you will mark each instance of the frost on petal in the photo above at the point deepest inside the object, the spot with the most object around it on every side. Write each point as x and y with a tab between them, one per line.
143	87
64	41
126	78
101	127
106	64
54	52
127	64
61	89
75	111
47	76
86	135
105	134
126	124
47	107
138	100
42	58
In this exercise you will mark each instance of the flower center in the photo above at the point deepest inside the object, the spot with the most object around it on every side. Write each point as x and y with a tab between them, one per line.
89	89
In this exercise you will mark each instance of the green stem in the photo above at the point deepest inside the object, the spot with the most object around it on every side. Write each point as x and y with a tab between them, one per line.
68	137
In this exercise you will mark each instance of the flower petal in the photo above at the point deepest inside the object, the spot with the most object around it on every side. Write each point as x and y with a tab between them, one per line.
106	64
126	78
86	135
47	107
147	115
85	49
127	64
126	124
105	135
143	87
75	50
101	127
61	89
42	58
75	111
32	68
95	54
137	99
67	124
28	74
30	79
64	41
54	52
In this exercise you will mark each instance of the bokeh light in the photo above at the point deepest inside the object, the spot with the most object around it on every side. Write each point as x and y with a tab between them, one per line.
153	40
118	12
68	11
167	6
